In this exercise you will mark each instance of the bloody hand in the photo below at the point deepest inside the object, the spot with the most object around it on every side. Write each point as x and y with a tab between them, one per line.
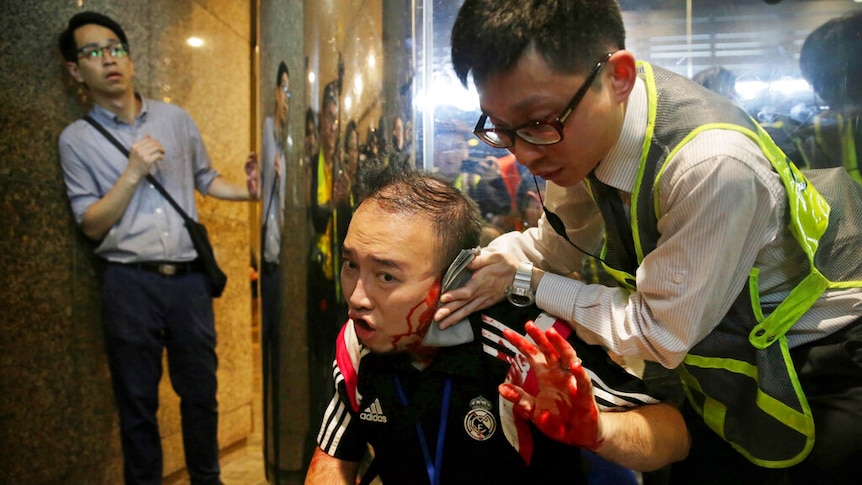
564	408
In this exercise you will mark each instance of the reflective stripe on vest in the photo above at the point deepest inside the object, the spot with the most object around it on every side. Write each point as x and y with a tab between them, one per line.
737	378
846	140
324	194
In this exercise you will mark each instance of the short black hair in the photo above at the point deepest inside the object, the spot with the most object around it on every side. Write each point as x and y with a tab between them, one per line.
282	69
490	36
454	216
69	48
830	59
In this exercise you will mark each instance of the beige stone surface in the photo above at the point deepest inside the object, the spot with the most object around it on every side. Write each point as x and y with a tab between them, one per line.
59	420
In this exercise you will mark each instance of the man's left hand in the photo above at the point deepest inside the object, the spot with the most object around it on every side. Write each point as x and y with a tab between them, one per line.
252	176
564	408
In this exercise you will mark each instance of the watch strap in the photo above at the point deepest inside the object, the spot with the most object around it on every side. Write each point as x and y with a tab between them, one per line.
520	293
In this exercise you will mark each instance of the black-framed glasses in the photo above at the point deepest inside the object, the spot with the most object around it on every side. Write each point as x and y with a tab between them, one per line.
286	91
95	51
545	132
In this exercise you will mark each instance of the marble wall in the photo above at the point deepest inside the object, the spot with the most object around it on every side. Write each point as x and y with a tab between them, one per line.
57	413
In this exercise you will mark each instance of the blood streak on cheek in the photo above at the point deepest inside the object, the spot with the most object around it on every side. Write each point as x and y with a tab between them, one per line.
430	305
424	318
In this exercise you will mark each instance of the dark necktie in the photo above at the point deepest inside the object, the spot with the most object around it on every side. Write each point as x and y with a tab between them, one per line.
621	254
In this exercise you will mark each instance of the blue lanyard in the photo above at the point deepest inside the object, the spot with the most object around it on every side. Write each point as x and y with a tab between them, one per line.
437	464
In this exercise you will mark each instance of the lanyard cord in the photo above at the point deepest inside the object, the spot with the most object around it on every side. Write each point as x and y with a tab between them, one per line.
434	467
558	225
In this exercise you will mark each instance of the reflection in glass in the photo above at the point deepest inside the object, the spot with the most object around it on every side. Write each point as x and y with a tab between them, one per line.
324	311
273	159
378	77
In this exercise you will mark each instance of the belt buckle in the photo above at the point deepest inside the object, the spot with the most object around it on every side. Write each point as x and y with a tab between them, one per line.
168	269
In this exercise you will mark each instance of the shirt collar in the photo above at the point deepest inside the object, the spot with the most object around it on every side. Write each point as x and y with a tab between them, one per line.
463	360
619	168
459	360
104	116
145	107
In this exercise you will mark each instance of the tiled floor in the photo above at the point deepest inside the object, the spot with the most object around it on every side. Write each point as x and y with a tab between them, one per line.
244	464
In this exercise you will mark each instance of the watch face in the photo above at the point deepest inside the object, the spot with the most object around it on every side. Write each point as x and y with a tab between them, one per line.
520	299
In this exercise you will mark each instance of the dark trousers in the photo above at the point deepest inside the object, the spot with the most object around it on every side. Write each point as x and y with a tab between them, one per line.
830	371
145	313
270	296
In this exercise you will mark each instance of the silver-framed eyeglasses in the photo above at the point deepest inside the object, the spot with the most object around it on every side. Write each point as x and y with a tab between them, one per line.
545	132
286	90
95	51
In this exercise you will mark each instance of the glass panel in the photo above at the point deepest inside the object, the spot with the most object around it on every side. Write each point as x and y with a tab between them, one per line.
750	52
378	77
359	76
747	50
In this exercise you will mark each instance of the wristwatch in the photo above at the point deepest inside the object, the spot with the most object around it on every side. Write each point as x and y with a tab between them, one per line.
521	293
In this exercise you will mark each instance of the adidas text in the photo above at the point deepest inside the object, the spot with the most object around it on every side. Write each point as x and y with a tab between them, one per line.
376	418
373	413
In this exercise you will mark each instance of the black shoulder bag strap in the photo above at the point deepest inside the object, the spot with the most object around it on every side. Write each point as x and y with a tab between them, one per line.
197	232
268	207
150	178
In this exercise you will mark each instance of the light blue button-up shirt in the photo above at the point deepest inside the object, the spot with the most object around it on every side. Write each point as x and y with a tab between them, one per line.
273	200
150	229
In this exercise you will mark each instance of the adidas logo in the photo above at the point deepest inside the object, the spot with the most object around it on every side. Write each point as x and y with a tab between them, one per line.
374	413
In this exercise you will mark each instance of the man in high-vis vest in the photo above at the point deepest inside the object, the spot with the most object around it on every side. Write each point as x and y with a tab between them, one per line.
734	267
324	314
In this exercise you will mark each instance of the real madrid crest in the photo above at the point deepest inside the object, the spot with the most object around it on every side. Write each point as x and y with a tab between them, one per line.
479	422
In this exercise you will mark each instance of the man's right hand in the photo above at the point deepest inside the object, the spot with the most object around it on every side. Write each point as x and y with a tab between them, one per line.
102	215
142	156
493	273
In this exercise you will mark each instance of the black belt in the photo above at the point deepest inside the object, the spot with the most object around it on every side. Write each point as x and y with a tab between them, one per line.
269	267
168	268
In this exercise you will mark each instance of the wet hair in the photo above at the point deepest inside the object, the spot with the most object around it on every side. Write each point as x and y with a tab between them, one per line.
454	216
490	36
830	59
282	69
69	48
